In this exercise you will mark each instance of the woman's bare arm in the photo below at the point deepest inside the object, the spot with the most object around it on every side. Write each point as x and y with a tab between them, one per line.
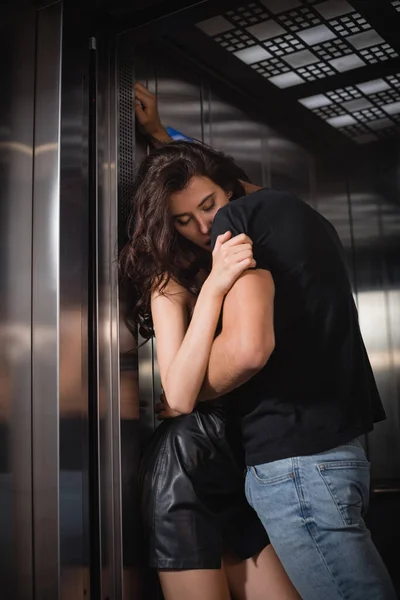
183	348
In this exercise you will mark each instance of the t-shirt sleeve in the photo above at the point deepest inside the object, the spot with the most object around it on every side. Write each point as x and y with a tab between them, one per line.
245	216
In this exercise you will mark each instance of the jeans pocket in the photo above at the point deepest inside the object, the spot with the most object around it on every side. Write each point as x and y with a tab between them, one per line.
348	484
263	475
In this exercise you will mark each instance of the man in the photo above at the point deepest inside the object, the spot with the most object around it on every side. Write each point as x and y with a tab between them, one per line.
293	322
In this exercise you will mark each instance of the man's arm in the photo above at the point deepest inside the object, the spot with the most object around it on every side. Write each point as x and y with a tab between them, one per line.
247	339
146	110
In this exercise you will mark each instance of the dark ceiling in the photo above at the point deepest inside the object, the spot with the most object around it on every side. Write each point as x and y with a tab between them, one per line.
338	59
328	71
324	72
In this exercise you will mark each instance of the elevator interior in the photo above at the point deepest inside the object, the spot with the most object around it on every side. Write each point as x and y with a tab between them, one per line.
306	97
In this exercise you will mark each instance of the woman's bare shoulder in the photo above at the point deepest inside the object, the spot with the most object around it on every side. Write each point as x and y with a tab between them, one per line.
173	290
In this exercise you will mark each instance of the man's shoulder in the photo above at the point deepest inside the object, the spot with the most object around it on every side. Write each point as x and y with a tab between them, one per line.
263	200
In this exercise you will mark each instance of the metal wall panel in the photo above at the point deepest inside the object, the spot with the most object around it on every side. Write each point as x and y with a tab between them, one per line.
291	167
236	134
145	72
45	304
372	214
110	410
16	166
390	227
73	314
179	95
330	197
137	417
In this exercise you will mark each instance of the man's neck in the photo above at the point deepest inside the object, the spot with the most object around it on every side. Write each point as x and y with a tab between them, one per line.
249	188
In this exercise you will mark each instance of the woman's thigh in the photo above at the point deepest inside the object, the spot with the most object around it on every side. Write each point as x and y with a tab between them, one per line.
196	584
261	577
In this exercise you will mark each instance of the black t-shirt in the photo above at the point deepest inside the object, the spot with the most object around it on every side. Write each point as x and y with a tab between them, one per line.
317	390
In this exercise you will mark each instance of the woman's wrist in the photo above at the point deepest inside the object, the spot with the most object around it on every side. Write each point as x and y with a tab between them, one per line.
211	290
161	135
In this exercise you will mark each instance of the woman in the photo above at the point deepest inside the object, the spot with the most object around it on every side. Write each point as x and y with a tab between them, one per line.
204	539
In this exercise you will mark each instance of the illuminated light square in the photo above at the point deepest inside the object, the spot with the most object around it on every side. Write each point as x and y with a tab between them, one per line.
365	39
315	101
391	109
357	104
334	8
300	59
266	30
215	26
380	124
341	121
278	6
286	80
373	86
346	63
252	55
316	35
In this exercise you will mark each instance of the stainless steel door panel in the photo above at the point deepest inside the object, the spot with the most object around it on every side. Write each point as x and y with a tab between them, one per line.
16	164
45	303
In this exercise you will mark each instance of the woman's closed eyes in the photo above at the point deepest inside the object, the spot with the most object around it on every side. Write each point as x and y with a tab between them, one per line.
207	208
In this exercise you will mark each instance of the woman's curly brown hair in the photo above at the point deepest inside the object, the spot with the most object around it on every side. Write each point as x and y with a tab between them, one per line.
156	251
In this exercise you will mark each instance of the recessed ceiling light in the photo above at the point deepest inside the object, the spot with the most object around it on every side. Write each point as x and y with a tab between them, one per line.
334	8
286	80
252	55
215	25
316	35
300	59
341	121
346	63
373	86
357	104
315	101
266	30
380	124
391	109
365	39
278	6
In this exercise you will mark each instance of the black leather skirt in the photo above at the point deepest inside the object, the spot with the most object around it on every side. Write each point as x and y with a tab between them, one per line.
193	501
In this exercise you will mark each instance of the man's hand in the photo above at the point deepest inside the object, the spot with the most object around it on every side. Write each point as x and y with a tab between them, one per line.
146	111
164	411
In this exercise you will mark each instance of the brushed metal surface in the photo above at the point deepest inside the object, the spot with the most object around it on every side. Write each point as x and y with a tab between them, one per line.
18	37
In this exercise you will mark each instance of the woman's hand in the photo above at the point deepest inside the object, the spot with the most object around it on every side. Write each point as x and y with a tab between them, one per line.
146	111
231	257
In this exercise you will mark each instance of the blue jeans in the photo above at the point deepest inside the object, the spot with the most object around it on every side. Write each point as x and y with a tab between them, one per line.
312	508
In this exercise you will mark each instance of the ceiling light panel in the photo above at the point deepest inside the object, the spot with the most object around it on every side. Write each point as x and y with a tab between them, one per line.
313	39
252	55
215	25
364	112
396	4
294	42
334	8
